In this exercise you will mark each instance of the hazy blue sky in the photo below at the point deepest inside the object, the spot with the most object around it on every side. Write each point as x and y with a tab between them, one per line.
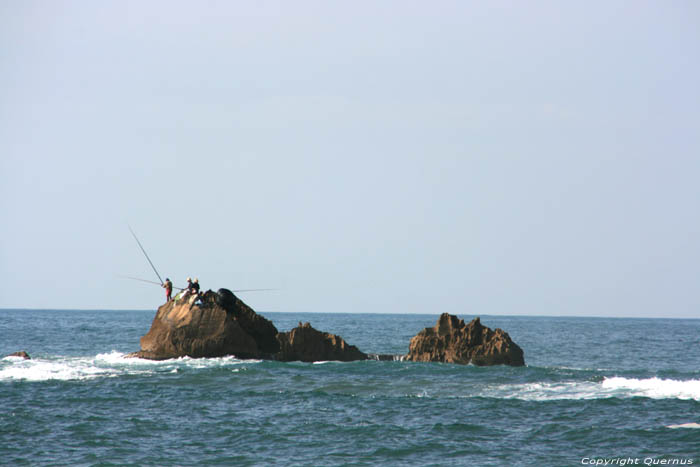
408	157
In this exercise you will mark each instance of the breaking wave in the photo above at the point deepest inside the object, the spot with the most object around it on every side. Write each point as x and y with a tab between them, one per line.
654	388
103	365
685	425
116	364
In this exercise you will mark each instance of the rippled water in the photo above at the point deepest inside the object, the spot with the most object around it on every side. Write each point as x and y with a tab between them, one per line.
593	389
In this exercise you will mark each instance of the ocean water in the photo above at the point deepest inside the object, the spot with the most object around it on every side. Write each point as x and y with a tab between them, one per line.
625	391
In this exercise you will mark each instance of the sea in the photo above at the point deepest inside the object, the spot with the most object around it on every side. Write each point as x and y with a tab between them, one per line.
594	391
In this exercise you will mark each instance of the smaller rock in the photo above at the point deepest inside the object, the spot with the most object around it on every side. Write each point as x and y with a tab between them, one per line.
453	341
306	344
21	354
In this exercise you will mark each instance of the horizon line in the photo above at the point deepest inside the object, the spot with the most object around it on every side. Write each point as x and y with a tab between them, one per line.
372	313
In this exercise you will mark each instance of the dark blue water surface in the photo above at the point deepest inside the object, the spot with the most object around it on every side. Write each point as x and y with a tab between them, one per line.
593	389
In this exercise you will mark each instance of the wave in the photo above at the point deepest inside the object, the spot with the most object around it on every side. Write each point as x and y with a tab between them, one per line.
653	388
104	365
590	385
545	391
685	425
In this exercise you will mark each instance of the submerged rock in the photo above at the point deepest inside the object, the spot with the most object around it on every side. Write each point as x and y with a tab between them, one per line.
452	341
307	344
21	354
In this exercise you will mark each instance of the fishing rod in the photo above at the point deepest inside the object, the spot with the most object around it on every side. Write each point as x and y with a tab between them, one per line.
251	290
145	254
147	281
182	288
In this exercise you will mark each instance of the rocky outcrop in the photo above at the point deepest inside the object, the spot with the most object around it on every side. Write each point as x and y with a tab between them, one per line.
223	325
21	354
220	325
452	341
307	344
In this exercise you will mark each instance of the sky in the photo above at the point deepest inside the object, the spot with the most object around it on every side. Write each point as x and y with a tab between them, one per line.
503	158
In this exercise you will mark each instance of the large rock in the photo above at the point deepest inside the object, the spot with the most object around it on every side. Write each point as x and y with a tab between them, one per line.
221	325
259	328
307	344
452	341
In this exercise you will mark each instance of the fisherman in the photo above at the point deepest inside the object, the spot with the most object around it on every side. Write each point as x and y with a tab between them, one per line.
185	292
194	290
168	286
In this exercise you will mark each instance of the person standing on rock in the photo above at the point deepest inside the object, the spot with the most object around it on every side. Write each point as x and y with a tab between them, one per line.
168	286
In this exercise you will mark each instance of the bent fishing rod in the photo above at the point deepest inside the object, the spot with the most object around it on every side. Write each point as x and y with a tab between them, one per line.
145	254
147	281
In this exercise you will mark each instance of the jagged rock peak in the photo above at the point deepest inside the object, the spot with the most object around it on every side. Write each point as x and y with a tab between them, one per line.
453	341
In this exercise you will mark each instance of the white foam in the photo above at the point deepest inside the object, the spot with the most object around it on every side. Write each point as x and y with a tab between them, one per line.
546	391
654	388
43	370
103	365
685	425
111	357
14	358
